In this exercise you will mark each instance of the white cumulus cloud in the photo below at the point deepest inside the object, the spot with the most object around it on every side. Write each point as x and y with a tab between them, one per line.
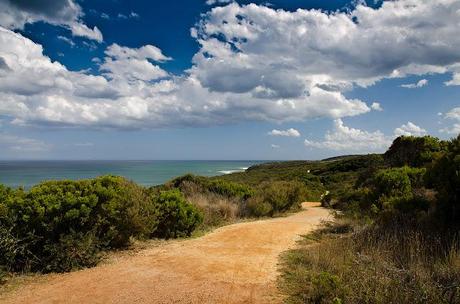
453	115
286	54
409	129
288	133
134	92
296	65
14	14
344	138
376	106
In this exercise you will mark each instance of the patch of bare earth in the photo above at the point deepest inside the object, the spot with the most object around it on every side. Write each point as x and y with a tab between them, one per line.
233	264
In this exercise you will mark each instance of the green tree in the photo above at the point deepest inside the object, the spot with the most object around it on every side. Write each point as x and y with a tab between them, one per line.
413	151
444	176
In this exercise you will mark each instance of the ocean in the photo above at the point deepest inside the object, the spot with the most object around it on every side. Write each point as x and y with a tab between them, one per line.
144	172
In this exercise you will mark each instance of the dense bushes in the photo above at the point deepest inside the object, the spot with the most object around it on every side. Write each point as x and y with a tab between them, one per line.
220	201
223	201
276	197
444	176
409	189
62	225
177	218
193	183
402	189
413	151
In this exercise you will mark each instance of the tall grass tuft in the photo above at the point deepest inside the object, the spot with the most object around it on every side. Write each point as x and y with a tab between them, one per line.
217	210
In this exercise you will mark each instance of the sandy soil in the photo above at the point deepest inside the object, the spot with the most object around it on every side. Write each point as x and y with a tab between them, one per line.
233	264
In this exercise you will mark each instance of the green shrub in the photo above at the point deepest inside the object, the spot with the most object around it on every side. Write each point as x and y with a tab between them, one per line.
326	288
416	176
444	176
394	182
229	189
257	206
113	208
388	189
64	225
61	225
72	251
176	217
276	197
191	183
15	253
412	204
395	188
354	201
3	276
413	151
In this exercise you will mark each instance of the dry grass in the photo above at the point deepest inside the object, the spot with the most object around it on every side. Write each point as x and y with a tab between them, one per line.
218	210
348	263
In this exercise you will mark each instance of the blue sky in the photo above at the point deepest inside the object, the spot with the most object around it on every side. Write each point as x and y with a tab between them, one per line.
113	79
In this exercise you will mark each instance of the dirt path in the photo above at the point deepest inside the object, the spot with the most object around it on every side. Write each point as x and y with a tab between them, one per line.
233	264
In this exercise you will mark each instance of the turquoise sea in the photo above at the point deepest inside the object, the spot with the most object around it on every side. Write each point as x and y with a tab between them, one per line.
147	173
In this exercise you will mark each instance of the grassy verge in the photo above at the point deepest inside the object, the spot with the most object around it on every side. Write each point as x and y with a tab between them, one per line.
353	262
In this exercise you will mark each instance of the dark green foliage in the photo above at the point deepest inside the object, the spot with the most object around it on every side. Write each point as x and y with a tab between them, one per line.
444	176
389	189
177	217
217	186
413	151
85	215
72	251
229	189
353	163
354	201
63	225
111	207
276	197
392	182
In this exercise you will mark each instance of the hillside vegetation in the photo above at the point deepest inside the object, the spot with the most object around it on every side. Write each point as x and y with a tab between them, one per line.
396	234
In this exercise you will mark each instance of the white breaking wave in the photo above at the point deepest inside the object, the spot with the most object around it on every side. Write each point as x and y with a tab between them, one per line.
229	171
233	171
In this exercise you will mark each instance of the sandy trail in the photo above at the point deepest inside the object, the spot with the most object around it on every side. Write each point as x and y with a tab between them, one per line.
233	264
